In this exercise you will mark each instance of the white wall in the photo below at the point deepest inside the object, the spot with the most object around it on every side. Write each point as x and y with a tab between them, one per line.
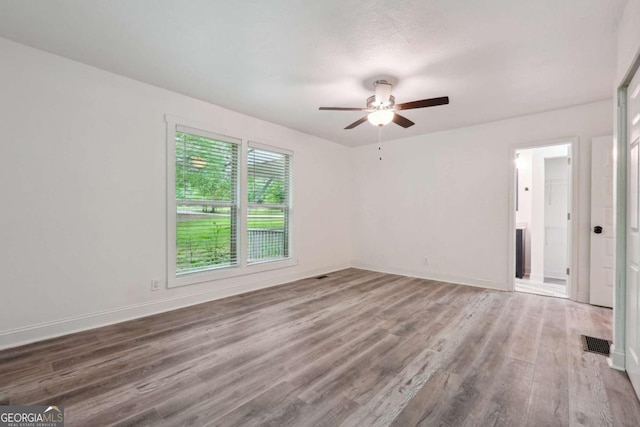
82	180
538	184
628	39
445	196
556	205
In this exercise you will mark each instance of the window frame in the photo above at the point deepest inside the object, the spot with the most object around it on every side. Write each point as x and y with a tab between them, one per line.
242	267
233	203
288	205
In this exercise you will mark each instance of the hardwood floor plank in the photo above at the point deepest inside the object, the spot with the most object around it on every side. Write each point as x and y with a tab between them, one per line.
429	330
547	406
299	349
257	410
385	405
330	412
424	408
99	360
221	387
549	401
625	407
588	402
338	379
148	418
528	329
478	333
356	348
509	395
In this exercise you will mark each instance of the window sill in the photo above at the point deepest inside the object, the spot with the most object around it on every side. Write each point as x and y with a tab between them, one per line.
229	272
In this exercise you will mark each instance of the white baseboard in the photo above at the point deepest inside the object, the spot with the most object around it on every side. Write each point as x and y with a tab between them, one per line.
560	275
616	359
583	296
440	277
536	278
42	331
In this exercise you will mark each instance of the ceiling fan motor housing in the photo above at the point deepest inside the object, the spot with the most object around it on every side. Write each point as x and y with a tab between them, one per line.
373	105
383	96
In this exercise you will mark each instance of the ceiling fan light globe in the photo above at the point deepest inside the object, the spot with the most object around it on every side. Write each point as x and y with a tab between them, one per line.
380	117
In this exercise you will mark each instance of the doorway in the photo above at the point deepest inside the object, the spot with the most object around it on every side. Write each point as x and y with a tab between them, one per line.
543	182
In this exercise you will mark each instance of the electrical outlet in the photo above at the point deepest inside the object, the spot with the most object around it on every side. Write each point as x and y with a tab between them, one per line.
155	284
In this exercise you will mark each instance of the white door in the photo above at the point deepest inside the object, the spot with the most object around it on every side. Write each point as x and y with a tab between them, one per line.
602	232
633	236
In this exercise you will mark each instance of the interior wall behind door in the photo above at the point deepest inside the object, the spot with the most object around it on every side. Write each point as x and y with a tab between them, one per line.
536	232
555	217
524	164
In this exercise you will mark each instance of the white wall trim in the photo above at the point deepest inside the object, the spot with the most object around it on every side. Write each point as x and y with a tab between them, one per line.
583	296
616	359
440	277
560	275
536	278
42	331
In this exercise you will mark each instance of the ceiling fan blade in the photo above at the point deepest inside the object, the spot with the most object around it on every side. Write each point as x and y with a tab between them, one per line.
357	123
431	102
402	121
343	109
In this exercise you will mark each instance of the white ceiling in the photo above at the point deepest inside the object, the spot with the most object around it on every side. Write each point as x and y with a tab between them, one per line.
280	60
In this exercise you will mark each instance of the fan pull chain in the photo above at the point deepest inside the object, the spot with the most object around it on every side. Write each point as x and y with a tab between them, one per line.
380	142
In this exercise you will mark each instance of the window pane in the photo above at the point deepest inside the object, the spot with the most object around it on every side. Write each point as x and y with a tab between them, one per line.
268	174
206	169
267	234
205	238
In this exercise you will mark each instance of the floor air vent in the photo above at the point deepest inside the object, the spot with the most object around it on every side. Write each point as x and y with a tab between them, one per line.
595	345
324	276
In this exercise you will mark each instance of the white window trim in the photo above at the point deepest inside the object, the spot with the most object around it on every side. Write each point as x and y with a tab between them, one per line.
223	272
288	205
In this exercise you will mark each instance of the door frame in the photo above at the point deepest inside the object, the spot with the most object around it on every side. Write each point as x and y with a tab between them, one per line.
611	142
617	358
572	243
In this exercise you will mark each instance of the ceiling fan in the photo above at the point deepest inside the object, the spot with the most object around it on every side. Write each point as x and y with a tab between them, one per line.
383	109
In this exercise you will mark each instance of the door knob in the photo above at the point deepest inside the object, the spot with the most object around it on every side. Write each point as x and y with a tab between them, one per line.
597	229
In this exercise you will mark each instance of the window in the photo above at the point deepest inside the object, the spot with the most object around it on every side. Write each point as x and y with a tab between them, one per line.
268	210
229	206
206	193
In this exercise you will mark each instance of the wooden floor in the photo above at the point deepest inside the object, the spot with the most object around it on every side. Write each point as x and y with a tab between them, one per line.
357	348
